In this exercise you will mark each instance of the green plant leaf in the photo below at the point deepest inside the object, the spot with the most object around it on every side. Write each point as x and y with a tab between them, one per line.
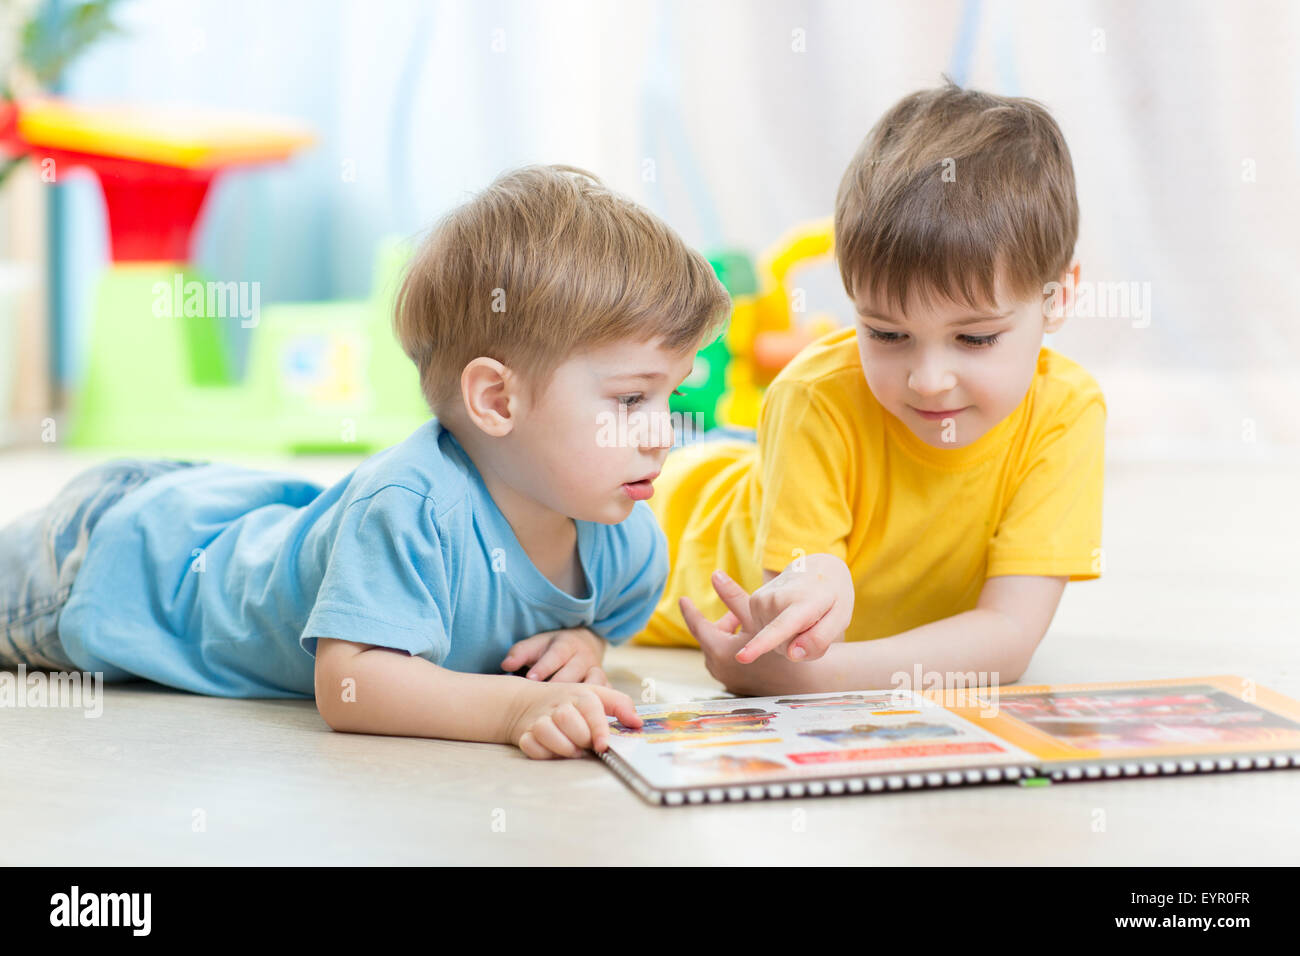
57	34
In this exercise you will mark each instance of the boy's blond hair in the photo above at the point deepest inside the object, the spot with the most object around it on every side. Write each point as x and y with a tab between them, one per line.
951	188
543	263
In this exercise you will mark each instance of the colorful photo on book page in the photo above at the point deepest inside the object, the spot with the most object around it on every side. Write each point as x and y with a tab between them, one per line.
1144	718
807	736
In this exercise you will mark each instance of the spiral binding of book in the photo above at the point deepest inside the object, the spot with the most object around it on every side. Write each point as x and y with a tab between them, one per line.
1148	768
837	786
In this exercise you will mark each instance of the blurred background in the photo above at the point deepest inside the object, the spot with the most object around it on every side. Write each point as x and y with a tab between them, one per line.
208	203
327	133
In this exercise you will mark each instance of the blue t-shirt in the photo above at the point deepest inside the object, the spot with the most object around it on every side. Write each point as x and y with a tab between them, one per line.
219	579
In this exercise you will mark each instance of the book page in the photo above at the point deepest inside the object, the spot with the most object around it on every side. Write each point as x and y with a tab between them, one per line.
1188	717
745	741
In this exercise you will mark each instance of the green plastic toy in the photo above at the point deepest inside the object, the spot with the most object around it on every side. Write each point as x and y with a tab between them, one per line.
707	383
321	376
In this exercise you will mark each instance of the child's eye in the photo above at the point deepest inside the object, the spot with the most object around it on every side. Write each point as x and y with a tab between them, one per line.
638	398
980	341
884	336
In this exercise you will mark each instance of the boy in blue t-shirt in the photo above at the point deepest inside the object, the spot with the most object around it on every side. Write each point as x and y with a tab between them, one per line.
550	320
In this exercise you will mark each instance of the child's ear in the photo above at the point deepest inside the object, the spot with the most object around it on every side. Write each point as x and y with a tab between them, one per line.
1069	282
486	386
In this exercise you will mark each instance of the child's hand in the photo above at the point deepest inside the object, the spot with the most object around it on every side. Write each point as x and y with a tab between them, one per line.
809	609
563	720
719	640
570	655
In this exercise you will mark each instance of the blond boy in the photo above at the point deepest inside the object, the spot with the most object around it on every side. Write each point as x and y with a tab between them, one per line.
502	536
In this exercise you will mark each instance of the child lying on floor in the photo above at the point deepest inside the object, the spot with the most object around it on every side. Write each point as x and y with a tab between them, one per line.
927	480
500	535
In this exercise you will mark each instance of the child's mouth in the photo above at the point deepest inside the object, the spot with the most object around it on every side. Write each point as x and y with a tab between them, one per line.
639	490
939	416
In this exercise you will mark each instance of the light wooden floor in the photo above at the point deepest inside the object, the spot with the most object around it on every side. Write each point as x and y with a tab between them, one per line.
1201	572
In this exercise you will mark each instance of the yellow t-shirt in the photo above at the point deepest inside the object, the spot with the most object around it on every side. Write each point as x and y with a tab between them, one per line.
920	527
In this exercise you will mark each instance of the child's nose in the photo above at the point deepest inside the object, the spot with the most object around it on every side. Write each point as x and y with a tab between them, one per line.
931	379
654	431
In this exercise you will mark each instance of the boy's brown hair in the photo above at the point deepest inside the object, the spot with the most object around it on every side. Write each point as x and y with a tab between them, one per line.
543	263
951	187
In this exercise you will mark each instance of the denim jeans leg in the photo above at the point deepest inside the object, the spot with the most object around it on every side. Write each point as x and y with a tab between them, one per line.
42	550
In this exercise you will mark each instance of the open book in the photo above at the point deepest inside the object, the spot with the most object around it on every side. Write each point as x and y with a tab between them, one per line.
757	748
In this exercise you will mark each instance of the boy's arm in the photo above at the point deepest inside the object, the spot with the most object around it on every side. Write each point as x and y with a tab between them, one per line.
400	695
998	637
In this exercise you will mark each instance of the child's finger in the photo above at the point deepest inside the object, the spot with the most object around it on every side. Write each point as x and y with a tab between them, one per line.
618	704
701	627
574	670
787	624
571	720
524	652
593	714
735	597
553	739
727	623
717	644
529	745
695	621
814	641
556	656
597	675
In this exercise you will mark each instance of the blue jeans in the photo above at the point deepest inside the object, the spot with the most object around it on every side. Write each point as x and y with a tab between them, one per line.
42	550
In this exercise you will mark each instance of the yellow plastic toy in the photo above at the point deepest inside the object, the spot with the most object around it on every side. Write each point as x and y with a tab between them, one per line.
765	333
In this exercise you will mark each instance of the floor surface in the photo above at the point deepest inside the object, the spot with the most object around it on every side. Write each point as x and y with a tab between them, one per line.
1200	579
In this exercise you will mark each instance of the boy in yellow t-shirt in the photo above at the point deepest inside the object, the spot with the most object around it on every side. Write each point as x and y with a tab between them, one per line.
926	481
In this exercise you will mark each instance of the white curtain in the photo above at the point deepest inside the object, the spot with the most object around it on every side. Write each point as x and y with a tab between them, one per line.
735	120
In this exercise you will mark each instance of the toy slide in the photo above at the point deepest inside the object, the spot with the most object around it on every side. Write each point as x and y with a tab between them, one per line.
326	376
